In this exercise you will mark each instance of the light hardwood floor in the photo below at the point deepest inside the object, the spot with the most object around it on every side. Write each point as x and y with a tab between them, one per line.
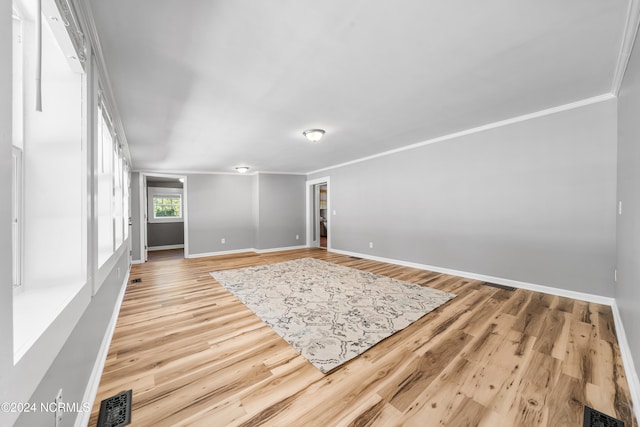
194	355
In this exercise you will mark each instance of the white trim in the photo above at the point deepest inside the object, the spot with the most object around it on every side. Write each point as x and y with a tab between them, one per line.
154	191
196	172
308	187
231	252
247	250
627	361
185	214
143	210
136	261
537	114
94	380
287	248
598	299
625	351
626	47
85	15
164	248
280	173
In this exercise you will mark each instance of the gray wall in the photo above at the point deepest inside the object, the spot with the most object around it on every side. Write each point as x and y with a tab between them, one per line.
532	201
220	206
136	254
6	296
281	211
72	368
165	234
628	286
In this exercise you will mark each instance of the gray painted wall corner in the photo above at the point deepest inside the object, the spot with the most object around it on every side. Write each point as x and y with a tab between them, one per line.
628	226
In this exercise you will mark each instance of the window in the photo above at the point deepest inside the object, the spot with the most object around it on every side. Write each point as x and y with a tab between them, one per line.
164	204
105	186
167	206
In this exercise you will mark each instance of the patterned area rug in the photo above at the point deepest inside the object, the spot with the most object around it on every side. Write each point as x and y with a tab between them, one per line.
329	313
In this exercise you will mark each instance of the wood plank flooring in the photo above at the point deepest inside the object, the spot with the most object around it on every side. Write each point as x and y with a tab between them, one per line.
194	355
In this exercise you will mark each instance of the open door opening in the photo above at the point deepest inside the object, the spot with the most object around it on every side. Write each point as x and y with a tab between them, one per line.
163	216
318	213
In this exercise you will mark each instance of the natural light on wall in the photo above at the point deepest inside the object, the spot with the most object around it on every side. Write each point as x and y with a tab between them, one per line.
51	212
113	188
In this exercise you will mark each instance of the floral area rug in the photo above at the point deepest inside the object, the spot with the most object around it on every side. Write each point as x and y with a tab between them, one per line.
329	313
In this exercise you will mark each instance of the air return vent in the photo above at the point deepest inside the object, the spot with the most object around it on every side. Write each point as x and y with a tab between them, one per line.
593	418
115	411
495	285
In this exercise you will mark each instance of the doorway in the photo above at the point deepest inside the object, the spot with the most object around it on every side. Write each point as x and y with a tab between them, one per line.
163	216
318	213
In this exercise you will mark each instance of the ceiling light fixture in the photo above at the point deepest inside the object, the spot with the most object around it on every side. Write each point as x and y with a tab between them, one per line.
313	135
242	169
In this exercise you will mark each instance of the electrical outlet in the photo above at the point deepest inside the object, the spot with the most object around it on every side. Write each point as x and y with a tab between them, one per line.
370	245
59	408
297	237
223	240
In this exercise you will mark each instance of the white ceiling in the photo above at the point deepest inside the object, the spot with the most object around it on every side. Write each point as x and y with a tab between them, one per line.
206	85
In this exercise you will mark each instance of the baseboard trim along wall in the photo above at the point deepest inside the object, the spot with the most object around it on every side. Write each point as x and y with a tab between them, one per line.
287	248
240	251
625	350
627	361
501	281
164	248
94	380
207	254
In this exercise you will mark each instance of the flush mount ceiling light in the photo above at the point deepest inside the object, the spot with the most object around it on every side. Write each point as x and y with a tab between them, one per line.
242	169
313	135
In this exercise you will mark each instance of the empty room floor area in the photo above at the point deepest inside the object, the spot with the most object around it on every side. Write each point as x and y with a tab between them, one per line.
193	354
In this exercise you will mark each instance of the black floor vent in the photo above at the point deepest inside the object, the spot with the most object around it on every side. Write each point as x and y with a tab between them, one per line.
138	280
593	418
115	411
495	285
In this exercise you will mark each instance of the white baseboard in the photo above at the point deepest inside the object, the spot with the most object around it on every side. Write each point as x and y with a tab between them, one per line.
625	350
239	251
288	248
598	299
627	361
136	261
231	252
82	419
164	248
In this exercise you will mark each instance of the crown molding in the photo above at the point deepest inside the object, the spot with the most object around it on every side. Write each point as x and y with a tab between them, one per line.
494	125
185	172
628	40
85	15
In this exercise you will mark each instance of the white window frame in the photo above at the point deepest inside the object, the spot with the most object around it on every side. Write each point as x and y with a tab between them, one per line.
17	218
154	192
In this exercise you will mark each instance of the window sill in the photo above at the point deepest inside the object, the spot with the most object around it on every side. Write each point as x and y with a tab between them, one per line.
160	221
36	308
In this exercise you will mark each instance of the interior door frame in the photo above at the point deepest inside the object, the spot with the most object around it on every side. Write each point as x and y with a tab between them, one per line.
143	211
310	195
